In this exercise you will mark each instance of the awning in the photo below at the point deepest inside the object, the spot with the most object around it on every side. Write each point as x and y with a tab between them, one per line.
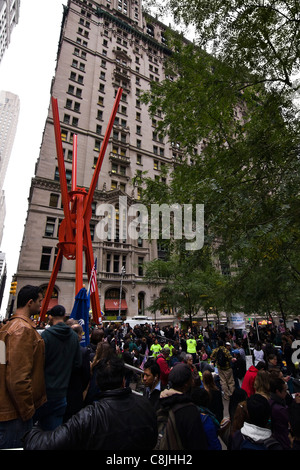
113	304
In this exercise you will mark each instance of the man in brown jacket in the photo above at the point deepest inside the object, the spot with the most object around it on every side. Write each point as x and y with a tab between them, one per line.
22	355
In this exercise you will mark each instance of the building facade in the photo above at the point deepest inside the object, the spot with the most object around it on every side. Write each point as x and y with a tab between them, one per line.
103	45
9	17
9	115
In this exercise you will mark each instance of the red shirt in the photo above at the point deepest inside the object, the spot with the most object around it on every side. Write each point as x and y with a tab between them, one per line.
164	369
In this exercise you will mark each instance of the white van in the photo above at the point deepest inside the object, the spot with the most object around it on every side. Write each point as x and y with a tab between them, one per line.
138	320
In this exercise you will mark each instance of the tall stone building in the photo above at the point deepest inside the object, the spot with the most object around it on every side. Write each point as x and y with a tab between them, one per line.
9	17
9	115
103	45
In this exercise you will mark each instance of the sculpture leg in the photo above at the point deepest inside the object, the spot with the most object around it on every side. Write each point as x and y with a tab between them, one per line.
51	285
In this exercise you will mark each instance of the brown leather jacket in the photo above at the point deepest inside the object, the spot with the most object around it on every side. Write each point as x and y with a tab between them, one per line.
22	383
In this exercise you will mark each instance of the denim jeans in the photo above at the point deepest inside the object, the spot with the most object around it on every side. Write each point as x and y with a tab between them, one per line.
50	415
11	433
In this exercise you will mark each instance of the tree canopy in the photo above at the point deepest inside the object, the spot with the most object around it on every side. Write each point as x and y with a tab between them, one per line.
235	101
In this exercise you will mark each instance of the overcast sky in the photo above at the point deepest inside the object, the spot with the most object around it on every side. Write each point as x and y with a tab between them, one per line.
27	69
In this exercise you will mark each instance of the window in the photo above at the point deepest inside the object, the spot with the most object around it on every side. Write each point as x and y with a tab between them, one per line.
68	175
53	200
140	266
116	264
50	226
45	258
108	261
97	145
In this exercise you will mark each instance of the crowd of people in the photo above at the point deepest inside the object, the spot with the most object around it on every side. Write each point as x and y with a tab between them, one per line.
115	392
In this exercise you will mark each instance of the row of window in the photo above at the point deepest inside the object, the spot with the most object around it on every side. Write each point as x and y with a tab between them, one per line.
114	262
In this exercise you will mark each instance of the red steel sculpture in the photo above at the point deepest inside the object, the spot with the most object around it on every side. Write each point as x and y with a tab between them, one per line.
74	232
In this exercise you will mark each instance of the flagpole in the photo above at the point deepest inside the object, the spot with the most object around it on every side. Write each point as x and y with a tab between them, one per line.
120	300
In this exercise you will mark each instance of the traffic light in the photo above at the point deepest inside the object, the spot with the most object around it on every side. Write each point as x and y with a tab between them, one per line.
13	288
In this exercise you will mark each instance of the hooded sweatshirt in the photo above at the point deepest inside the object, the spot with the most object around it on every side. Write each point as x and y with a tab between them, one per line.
62	355
248	382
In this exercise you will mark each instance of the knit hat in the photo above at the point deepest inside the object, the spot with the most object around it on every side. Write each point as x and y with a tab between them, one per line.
57	311
259	410
180	374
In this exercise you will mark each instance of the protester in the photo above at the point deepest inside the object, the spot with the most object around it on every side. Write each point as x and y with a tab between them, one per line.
62	356
272	363
223	359
191	347
119	421
164	367
262	383
151	379
210	423
215	404
155	348
238	368
248	381
188	359
96	337
80	378
104	350
255	433
22	383
294	422
279	411
187	416
258	353
171	349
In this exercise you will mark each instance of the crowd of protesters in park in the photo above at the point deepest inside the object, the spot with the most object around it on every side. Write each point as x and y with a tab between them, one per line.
228	389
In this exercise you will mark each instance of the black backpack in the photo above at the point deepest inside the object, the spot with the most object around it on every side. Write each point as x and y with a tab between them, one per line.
168	436
221	358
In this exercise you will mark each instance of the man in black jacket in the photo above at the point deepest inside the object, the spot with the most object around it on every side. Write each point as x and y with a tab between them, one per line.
120	420
187	416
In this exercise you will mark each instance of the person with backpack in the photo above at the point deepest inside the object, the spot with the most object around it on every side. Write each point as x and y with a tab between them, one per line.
210	423
255	433
178	418
222	359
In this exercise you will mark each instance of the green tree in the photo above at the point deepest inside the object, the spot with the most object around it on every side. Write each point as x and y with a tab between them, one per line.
187	283
238	104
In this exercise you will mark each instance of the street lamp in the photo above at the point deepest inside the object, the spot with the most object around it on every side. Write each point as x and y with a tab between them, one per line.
120	300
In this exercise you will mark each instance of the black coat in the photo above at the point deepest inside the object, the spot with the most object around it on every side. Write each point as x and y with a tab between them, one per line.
188	421
120	420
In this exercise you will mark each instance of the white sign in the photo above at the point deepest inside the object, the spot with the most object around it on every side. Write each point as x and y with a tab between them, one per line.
238	321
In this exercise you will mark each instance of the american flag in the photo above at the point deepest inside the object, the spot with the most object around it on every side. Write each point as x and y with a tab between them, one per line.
145	358
93	279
